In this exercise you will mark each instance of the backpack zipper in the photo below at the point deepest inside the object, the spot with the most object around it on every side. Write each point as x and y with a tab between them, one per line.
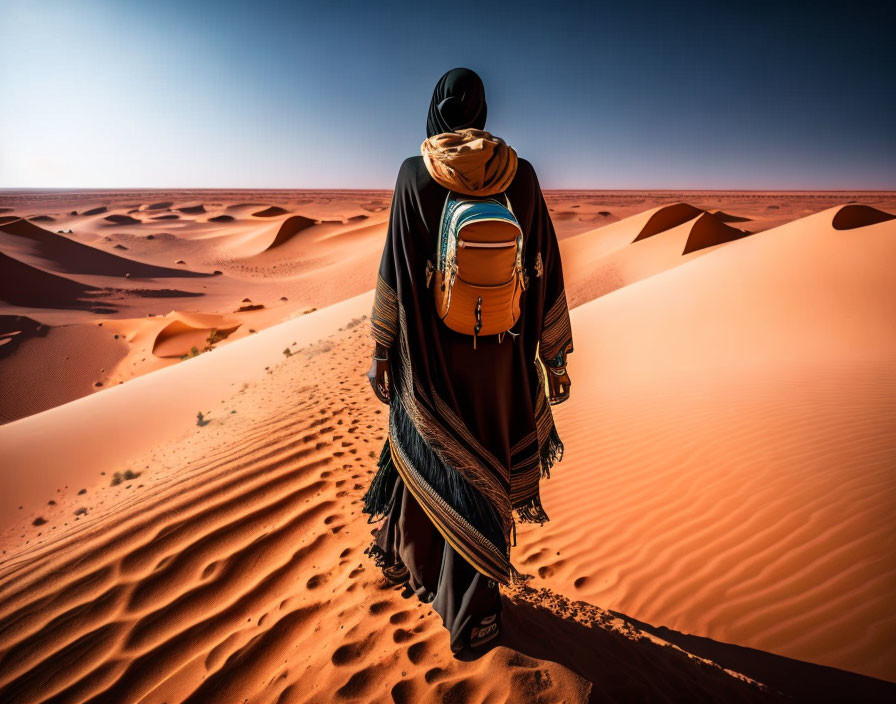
468	243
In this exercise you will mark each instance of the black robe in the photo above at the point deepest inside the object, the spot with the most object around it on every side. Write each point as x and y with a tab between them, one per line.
471	431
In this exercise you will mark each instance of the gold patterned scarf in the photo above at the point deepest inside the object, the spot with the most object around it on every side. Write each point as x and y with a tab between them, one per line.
470	161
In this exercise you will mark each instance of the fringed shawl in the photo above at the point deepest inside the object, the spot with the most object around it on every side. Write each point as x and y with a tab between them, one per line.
472	496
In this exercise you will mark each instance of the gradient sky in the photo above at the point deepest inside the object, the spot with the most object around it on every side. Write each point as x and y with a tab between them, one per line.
753	95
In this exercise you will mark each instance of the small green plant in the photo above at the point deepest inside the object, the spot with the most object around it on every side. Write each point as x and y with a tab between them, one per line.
213	338
194	351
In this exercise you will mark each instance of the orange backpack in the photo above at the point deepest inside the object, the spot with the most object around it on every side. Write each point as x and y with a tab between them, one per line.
479	275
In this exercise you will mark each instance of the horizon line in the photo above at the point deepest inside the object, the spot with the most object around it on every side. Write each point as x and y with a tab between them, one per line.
389	190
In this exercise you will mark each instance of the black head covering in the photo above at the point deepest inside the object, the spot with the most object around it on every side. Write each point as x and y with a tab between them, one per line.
458	101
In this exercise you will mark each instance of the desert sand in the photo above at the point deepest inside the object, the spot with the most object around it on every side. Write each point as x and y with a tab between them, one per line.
182	469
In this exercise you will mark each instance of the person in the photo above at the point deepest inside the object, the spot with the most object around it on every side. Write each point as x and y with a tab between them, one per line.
471	431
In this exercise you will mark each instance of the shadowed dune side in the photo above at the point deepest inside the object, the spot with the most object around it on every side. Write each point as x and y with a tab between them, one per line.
272	211
850	217
192	209
622	662
24	285
248	239
708	230
727	217
289	228
67	256
629	660
800	681
667	217
15	329
122	220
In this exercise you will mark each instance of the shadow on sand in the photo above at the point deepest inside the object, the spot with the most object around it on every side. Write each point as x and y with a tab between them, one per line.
627	660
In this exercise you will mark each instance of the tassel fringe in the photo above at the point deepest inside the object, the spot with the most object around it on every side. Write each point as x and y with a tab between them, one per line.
531	511
378	500
379	556
551	453
517	577
445	481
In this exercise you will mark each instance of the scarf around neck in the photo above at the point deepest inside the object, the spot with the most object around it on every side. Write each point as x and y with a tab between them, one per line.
470	161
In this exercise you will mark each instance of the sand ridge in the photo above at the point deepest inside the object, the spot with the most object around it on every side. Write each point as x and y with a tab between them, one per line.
232	564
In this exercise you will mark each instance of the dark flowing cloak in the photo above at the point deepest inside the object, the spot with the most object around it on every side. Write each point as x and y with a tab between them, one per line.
471	432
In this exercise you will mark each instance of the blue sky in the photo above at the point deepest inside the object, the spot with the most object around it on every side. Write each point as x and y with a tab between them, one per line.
334	95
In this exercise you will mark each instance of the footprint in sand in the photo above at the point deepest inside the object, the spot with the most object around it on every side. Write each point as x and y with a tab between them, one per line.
418	651
358	683
316	581
352	652
401	635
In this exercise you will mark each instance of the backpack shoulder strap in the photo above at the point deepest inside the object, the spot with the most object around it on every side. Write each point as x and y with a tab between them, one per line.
507	202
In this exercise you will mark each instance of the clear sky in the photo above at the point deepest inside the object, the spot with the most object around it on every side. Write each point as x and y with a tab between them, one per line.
185	93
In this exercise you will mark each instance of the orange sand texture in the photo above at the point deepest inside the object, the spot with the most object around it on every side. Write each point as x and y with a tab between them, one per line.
723	522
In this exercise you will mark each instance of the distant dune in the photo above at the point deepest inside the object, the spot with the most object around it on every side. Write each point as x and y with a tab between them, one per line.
667	217
850	217
271	212
187	331
605	259
289	228
25	285
68	256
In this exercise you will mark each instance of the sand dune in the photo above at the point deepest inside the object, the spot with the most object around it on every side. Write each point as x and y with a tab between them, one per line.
52	365
727	217
667	217
611	257
289	228
270	212
729	449
193	534
68	256
231	565
24	285
185	331
117	219
15	329
709	230
850	217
